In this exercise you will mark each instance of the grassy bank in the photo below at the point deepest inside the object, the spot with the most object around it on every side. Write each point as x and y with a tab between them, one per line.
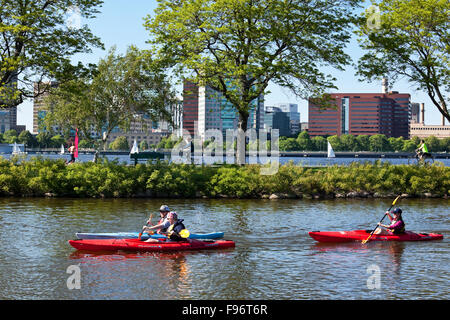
45	177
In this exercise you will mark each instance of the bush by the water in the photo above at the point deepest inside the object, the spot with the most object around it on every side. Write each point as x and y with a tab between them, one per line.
45	177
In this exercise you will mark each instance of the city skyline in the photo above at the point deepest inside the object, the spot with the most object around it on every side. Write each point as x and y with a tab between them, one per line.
119	24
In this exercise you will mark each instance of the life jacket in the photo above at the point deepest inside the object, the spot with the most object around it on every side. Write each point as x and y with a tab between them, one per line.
398	229
174	229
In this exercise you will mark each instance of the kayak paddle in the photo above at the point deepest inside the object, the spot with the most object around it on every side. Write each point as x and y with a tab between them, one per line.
393	203
148	221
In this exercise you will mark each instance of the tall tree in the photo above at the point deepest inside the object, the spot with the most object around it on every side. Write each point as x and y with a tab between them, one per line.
37	40
409	39
123	89
237	47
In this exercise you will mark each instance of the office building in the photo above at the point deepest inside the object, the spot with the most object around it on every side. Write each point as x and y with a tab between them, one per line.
40	109
294	116
415	112
362	114
275	118
205	109
8	113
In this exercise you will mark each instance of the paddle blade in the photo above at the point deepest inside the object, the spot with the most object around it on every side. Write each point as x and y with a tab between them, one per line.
395	201
185	233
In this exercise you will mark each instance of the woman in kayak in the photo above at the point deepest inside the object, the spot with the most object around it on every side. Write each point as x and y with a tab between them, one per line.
176	225
171	225
397	225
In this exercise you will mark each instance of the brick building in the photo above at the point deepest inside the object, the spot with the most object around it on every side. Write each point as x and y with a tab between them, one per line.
385	113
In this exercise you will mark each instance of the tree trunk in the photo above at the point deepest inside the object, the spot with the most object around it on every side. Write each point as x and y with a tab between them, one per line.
242	128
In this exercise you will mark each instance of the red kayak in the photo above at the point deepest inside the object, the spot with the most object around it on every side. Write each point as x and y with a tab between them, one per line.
359	235
137	245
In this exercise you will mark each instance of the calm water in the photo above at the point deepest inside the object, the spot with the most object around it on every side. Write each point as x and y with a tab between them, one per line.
306	161
274	257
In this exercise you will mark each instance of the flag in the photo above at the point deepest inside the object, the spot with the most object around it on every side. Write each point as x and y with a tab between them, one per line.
76	143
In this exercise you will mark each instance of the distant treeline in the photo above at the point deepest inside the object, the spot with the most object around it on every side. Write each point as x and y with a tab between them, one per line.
348	142
47	140
303	142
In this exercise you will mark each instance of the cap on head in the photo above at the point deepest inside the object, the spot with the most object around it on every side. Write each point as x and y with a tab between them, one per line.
397	211
164	208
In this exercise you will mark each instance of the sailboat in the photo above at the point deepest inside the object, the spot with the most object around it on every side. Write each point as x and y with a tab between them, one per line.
135	148
62	149
330	151
16	149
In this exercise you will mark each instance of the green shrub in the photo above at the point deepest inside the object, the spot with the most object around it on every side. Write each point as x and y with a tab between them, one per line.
39	176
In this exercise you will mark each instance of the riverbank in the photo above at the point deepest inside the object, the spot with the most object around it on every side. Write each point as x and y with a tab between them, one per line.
40	177
304	154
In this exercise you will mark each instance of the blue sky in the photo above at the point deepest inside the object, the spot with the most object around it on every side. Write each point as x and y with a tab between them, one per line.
120	24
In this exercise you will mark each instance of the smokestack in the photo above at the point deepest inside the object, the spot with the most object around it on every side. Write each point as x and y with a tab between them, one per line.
422	113
385	85
443	120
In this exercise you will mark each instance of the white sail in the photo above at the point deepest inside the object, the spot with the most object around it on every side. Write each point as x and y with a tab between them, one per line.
62	149
330	151
16	149
135	148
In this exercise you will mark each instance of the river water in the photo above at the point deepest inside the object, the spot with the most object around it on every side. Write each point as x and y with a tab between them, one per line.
274	257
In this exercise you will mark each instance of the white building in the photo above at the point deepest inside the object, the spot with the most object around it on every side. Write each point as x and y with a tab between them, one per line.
417	127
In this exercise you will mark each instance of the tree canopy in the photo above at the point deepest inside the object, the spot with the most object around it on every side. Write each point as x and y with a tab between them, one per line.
37	42
123	88
412	41
237	47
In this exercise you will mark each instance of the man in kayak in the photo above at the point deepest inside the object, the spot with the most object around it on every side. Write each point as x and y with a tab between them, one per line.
397	225
161	226
163	211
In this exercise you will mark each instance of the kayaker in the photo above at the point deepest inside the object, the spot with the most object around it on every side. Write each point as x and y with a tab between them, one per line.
176	225
161	226
171	224
397	225
163	211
